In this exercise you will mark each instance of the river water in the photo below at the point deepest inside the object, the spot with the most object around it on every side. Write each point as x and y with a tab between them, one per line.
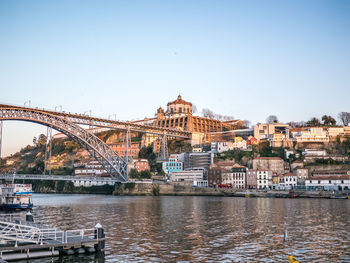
203	229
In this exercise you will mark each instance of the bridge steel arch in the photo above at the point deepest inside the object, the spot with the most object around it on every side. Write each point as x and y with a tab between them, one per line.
115	165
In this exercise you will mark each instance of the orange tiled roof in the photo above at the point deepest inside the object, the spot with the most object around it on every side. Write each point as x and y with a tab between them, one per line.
180	101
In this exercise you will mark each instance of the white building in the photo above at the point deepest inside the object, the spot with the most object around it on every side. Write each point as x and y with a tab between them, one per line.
92	169
335	131
302	173
236	177
314	152
187	175
329	183
239	145
315	134
219	147
287	181
91	182
264	179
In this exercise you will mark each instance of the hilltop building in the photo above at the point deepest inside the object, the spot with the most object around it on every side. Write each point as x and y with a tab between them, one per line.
179	115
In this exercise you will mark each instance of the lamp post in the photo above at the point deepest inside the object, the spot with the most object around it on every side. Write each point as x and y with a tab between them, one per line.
58	107
27	102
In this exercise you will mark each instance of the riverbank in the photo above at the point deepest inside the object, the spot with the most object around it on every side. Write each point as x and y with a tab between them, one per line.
163	189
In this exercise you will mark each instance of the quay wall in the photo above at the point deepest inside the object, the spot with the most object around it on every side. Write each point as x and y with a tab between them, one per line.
156	189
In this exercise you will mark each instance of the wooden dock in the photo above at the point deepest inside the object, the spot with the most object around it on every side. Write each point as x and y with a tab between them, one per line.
26	240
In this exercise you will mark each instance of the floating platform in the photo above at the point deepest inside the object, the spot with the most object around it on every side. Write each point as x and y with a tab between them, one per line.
27	240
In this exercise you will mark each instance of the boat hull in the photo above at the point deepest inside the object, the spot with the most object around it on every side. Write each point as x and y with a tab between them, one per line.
15	207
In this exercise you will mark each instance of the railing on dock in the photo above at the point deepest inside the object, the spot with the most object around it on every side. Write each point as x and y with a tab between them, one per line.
39	234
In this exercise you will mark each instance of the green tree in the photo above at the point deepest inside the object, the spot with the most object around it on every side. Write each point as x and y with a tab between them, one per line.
328	120
313	122
42	140
134	173
145	174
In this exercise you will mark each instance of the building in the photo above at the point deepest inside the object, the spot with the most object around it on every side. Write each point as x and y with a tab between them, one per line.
197	149
287	181
334	132
314	152
179	115
216	172
252	140
276	133
329	173
330	183
120	149
315	134
141	165
264	179
236	177
274	164
251	179
219	147
239	143
302	174
187	175
198	160
91	169
172	165
215	176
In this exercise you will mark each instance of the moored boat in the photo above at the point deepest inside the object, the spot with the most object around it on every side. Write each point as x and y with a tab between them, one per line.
338	197
16	197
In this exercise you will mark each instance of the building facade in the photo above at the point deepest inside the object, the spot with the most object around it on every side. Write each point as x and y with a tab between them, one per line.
329	183
141	165
251	179
179	115
264	179
274	164
172	165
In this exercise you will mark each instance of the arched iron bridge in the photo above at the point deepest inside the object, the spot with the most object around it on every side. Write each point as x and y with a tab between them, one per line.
115	165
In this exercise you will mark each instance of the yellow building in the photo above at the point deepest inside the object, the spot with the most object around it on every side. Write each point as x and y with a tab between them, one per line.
179	115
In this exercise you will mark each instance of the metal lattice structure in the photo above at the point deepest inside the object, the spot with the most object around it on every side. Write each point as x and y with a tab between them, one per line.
109	159
106	123
163	151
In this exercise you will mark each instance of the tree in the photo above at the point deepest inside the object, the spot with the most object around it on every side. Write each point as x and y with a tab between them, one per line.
42	139
313	122
247	123
328	120
35	141
145	174
272	119
208	113
134	173
194	108
344	118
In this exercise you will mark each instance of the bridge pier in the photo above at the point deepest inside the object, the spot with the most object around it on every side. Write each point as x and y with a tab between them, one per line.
0	139
163	151
47	161
127	145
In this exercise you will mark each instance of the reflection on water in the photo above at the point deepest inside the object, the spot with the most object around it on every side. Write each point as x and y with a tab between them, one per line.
168	229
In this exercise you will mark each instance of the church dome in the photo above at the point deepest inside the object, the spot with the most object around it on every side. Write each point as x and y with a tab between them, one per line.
180	101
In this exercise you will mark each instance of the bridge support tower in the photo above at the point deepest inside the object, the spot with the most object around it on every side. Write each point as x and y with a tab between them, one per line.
163	151
0	139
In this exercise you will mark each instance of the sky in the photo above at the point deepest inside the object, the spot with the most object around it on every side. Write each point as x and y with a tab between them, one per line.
247	59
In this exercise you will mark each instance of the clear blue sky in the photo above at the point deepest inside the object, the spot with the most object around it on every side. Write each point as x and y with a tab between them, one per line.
245	58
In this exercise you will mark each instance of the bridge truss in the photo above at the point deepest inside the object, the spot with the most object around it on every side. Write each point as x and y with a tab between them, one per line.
115	165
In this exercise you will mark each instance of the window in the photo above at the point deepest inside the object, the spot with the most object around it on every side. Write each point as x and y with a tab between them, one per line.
330	181
319	181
